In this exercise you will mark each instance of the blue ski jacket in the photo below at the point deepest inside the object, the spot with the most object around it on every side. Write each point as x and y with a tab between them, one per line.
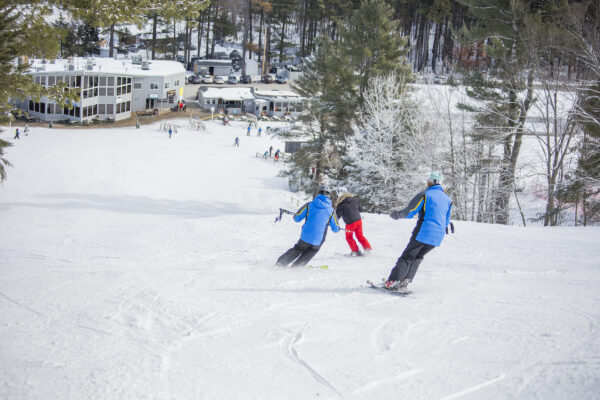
434	208
317	215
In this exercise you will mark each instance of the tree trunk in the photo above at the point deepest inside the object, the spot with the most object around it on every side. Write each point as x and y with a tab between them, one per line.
154	23
208	29
436	46
245	35
511	155
260	35
303	34
186	46
282	38
200	30
111	41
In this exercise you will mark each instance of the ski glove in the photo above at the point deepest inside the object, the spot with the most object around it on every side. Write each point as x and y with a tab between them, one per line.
451	228
396	214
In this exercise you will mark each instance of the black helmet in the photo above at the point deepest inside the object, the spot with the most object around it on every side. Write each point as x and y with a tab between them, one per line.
324	190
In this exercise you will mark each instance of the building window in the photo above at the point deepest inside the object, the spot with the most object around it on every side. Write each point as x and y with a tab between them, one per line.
36	80
176	83
101	108
109	109
51	80
102	81
30	105
154	86
110	81
137	85
43	80
110	91
102	91
166	85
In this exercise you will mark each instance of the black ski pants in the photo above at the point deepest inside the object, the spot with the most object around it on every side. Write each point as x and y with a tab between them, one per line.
408	263
302	252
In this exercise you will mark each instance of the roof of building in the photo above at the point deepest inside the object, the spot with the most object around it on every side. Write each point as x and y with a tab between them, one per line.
224	63
228	93
108	66
277	94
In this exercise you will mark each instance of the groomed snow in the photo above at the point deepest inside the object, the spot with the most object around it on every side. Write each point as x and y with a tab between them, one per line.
134	266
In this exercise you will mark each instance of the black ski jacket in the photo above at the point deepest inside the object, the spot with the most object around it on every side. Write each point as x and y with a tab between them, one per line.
348	209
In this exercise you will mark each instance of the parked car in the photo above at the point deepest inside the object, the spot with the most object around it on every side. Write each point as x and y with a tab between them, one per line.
281	79
268	78
218	80
221	55
195	79
232	80
246	79
207	79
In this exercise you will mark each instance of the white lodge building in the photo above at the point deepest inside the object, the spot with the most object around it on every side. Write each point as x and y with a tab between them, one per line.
109	89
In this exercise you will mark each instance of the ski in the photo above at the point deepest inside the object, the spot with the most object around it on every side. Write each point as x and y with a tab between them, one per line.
402	293
317	266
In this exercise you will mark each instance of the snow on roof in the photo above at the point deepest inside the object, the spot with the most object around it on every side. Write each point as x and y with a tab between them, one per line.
225	63
108	66
229	93
277	94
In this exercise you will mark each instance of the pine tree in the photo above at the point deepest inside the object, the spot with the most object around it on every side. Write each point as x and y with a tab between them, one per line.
25	32
372	43
506	94
3	161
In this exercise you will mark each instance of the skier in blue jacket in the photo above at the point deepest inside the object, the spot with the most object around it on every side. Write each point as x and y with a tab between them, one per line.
317	215
433	207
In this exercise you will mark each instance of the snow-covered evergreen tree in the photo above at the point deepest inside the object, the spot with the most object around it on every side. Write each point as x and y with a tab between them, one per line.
392	148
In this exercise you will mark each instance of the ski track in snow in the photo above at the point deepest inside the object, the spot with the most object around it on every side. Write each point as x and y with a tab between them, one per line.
149	274
292	351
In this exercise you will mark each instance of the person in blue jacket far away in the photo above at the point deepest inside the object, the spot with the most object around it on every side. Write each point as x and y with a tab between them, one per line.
433	207
317	215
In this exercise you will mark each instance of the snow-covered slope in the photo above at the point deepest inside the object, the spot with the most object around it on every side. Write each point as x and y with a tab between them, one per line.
140	267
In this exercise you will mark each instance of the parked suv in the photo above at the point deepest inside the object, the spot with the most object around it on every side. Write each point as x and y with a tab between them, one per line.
268	78
232	80
246	79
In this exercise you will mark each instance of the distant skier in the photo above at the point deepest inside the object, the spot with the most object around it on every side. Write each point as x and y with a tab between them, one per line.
348	208
17	134
237	142
249	127
170	132
26	130
434	208
259	131
270	151
316	214
266	155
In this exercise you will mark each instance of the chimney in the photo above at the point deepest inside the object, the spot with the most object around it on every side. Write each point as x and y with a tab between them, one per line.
145	65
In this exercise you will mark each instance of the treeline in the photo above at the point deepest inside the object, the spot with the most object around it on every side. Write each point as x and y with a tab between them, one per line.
368	134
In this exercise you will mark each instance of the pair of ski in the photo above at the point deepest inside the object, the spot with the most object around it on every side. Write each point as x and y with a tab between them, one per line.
401	293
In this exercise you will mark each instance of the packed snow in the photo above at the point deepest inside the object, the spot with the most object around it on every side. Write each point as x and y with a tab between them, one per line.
136	266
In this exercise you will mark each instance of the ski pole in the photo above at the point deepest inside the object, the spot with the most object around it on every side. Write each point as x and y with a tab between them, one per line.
281	212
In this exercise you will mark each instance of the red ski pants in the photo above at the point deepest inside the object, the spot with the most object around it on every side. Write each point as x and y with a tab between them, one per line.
355	228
